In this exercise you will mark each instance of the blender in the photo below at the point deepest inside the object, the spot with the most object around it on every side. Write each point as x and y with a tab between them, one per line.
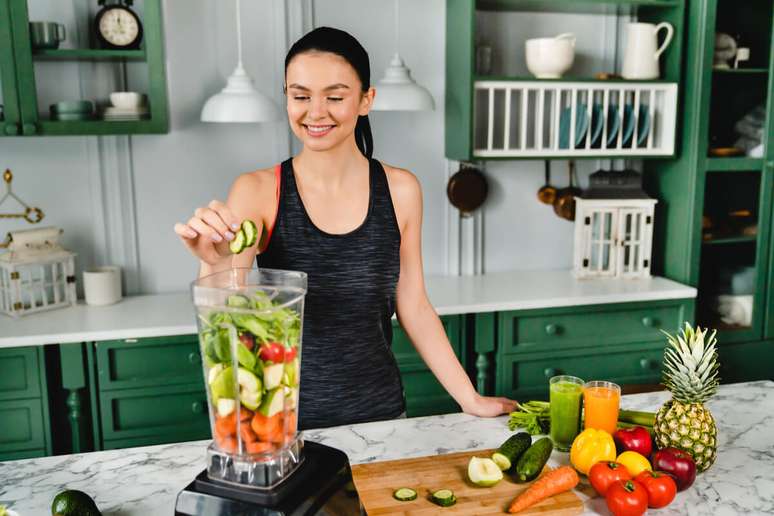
250	327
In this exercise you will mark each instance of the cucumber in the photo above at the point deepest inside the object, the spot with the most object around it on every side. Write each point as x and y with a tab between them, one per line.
404	494
444	497
238	244
251	232
533	460
510	451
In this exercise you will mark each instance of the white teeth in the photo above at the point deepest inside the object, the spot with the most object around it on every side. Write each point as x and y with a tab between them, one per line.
318	129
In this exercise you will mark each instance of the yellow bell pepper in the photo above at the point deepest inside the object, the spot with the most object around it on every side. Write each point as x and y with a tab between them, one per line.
591	446
634	462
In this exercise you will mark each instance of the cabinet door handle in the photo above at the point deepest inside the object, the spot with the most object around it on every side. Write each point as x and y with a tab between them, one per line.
646	363
197	407
194	358
552	329
648	322
550	372
11	129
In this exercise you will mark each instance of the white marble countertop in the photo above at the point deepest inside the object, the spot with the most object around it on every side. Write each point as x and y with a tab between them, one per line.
172	314
145	481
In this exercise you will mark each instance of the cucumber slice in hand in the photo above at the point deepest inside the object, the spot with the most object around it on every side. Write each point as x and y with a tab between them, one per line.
238	244
405	494
251	232
444	497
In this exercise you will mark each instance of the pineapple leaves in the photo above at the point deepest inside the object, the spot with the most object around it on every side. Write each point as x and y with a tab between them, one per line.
691	364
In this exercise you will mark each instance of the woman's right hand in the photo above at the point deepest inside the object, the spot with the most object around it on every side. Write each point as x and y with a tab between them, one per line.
209	231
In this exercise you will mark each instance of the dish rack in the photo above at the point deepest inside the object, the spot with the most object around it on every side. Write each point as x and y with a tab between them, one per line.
518	119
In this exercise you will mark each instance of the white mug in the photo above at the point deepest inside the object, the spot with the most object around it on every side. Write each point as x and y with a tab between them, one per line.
641	53
102	285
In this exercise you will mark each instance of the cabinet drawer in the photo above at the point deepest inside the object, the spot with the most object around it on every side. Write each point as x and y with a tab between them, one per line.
526	376
178	413
157	361
20	376
23	426
585	326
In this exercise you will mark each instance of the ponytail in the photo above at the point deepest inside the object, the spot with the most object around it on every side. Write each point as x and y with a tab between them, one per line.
363	137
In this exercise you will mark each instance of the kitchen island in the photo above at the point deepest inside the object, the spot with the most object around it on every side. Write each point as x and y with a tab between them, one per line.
145	481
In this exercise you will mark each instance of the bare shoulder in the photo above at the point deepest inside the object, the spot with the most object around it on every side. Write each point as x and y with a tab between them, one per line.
252	193
404	185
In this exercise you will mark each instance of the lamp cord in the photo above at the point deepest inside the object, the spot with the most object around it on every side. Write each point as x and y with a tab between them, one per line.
239	36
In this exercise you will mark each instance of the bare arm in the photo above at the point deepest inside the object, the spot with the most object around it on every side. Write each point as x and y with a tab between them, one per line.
415	313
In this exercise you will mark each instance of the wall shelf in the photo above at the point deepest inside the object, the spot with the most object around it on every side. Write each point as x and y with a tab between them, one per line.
577	6
86	54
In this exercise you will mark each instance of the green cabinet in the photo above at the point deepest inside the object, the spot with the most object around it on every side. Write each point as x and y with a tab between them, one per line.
21	68
424	394
25	431
714	218
147	391
619	342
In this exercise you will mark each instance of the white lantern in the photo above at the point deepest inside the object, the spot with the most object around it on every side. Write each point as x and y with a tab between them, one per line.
36	274
613	228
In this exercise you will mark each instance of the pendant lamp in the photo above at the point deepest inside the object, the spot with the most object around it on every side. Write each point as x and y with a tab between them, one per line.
397	91
239	101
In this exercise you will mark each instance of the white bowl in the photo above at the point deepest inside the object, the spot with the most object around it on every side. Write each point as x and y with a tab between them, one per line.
127	99
549	58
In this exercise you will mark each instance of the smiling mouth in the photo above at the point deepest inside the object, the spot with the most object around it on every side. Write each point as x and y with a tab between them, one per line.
318	130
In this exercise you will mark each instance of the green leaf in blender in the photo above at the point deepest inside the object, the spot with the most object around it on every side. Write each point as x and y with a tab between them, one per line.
273	402
245	357
238	301
272	375
226	406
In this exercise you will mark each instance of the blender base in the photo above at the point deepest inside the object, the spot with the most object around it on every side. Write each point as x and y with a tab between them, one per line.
322	484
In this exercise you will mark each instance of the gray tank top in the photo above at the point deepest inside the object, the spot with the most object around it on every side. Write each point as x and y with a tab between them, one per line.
348	371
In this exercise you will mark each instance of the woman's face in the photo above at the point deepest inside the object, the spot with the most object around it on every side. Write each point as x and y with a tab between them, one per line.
324	99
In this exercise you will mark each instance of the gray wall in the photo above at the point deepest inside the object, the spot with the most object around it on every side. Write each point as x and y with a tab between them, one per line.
117	198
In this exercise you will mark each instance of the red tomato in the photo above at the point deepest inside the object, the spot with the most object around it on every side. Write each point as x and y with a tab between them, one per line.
627	498
660	487
248	340
273	351
604	473
290	354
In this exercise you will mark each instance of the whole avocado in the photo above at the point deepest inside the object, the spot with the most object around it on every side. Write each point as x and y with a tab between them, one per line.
74	503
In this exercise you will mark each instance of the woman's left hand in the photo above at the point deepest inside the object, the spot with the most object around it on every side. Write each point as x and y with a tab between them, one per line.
488	406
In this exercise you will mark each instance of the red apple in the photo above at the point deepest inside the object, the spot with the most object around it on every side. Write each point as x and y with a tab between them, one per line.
677	463
636	439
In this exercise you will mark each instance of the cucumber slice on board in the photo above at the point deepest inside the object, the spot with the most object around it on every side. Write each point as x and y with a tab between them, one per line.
251	232
444	497
238	244
405	494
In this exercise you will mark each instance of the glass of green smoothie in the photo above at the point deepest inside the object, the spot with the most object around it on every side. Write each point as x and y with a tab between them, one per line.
566	394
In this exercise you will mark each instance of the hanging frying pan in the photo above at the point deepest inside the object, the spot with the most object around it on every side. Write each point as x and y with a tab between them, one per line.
467	189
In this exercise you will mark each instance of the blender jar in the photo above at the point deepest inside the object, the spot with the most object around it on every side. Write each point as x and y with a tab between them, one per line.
249	323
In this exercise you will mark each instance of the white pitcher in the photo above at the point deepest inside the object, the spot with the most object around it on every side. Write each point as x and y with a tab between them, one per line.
641	55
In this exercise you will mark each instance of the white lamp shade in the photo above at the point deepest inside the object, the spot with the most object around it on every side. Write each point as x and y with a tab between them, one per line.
397	91
239	101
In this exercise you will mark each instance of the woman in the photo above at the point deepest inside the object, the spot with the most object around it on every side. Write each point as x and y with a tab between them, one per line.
354	226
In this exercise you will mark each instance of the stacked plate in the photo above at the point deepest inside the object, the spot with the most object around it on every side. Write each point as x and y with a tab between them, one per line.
133	113
69	110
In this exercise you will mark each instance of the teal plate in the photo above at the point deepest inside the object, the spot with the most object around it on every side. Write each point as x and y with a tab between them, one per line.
581	126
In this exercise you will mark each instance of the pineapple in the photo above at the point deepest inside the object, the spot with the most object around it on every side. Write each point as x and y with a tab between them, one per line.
690	374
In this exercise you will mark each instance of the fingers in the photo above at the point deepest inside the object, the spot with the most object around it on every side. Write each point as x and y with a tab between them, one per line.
205	230
225	213
185	231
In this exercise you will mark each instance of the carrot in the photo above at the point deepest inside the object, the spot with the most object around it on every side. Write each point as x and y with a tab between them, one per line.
245	414
248	436
554	482
226	426
258	447
227	444
266	427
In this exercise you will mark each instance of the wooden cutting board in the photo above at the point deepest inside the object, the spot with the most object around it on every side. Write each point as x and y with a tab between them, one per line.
376	481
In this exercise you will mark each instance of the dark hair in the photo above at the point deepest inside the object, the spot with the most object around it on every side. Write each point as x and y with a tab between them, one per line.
341	43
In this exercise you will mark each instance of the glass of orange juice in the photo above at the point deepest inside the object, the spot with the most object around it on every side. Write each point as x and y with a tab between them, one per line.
600	405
